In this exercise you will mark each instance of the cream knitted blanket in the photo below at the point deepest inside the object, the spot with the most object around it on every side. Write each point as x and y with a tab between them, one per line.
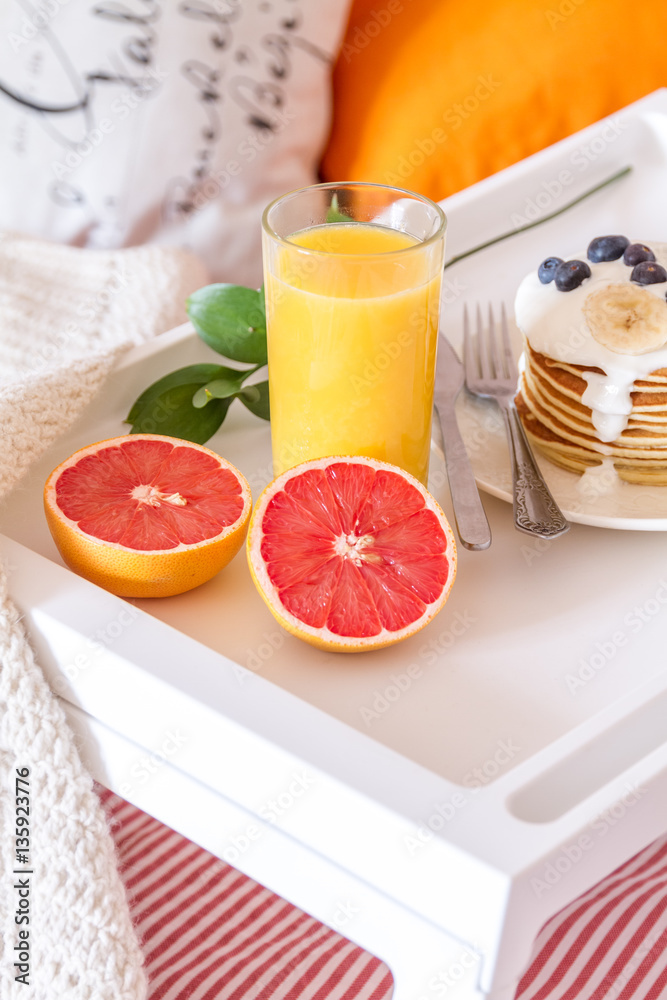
65	315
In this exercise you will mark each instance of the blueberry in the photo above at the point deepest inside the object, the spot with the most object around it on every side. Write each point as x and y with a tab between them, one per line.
647	272
570	274
547	269
636	253
607	248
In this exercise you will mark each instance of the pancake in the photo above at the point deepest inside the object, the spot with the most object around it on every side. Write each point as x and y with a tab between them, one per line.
593	374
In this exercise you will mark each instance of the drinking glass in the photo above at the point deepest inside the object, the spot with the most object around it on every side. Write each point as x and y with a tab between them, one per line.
352	276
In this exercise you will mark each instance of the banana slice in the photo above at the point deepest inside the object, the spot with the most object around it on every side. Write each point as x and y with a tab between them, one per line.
627	319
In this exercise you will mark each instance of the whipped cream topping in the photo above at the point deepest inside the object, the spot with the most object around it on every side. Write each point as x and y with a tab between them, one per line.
610	402
554	324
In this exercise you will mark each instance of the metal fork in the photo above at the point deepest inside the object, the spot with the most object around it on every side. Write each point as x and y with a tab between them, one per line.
491	372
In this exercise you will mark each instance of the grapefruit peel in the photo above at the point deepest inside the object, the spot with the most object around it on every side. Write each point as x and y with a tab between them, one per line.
380	563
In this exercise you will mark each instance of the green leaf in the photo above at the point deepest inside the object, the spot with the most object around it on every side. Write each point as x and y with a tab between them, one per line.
232	320
334	214
227	383
191	375
165	407
256	398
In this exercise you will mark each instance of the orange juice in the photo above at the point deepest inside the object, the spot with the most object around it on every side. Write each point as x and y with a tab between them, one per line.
352	320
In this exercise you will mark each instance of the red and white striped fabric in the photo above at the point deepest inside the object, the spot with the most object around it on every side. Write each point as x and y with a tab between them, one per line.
610	943
210	933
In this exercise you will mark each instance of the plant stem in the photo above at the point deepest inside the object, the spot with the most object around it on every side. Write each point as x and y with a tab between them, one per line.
530	225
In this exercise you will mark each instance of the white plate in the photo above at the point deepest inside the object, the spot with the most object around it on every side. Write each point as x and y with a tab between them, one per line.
635	205
598	498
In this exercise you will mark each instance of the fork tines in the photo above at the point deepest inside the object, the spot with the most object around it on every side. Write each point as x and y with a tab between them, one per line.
489	362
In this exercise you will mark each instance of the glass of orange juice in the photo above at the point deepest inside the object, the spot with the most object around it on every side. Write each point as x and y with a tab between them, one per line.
352	277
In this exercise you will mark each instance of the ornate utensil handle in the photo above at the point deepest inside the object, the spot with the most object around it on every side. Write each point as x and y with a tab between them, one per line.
535	510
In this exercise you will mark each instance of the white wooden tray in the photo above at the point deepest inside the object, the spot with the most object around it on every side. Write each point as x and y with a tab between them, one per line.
426	799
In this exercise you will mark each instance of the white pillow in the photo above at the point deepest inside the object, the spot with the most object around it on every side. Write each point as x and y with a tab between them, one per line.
131	121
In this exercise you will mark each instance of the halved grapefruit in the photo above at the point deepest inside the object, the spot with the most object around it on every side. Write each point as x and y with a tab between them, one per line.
350	553
146	515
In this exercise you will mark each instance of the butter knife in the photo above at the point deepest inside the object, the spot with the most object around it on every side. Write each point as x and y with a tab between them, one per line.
471	522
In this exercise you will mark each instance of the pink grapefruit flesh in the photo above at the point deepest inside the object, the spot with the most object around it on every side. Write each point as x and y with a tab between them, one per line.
351	554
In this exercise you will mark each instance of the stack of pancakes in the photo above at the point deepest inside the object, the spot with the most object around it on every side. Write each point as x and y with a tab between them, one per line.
549	402
581	401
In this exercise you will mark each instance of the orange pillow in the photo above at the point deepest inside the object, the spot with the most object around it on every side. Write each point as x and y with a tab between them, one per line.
434	95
